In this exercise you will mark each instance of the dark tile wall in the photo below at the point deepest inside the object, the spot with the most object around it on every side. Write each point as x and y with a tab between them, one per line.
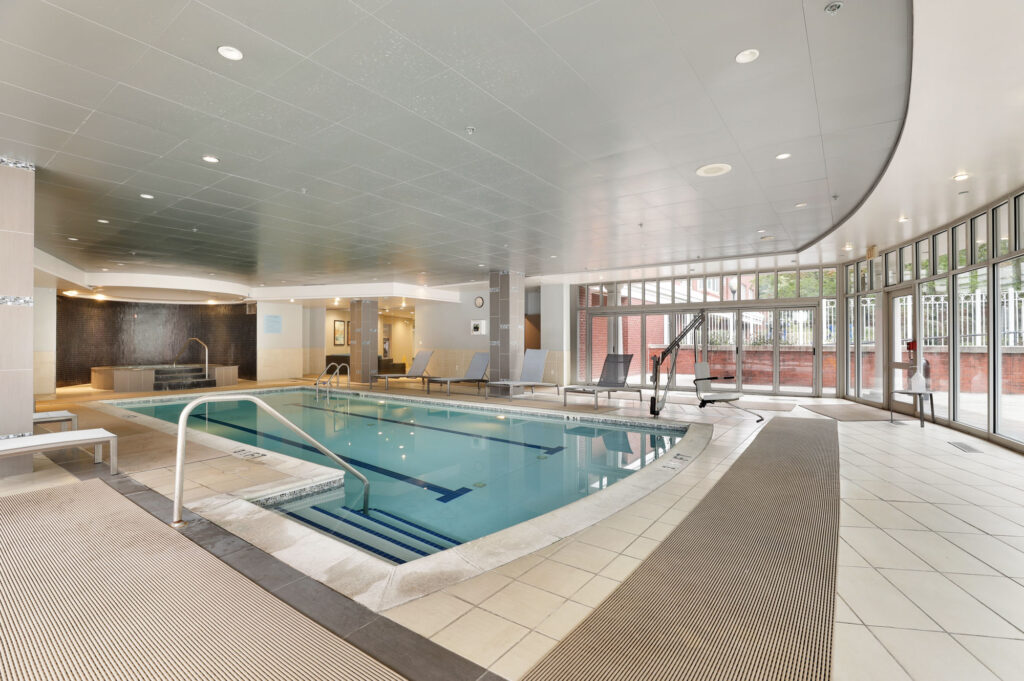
108	333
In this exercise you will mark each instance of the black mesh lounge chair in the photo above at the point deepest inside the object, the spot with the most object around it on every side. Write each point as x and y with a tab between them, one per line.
474	374
532	375
613	379
418	369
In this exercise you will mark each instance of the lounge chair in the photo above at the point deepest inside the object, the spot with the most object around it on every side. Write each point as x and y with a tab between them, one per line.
702	375
418	369
474	374
532	375
613	379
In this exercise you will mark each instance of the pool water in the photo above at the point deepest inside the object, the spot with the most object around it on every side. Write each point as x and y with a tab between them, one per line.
439	475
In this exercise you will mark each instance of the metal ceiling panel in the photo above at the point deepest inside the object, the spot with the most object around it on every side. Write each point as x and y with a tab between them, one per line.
346	130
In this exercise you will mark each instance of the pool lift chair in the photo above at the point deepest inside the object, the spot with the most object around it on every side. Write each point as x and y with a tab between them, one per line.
702	375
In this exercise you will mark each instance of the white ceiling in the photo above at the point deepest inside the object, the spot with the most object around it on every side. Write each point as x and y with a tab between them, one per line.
965	115
343	144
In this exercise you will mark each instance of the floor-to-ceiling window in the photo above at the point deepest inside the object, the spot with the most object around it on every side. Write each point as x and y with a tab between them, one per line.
972	358
870	358
1010	405
934	341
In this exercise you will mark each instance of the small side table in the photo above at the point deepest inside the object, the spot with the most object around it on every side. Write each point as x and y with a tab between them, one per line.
918	396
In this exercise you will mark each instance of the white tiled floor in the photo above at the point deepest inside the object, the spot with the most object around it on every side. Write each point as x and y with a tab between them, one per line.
930	569
930	574
929	556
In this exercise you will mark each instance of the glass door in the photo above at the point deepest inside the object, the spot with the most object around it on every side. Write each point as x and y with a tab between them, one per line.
720	348
657	336
757	355
903	350
684	359
797	353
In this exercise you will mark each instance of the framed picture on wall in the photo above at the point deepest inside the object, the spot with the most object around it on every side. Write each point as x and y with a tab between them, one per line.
340	332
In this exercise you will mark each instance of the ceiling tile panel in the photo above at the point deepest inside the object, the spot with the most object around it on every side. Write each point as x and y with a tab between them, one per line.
289	22
51	31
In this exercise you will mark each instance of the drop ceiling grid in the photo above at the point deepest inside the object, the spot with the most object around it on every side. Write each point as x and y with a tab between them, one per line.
258	202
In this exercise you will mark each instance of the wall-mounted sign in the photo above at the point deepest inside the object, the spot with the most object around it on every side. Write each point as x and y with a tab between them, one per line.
272	323
478	327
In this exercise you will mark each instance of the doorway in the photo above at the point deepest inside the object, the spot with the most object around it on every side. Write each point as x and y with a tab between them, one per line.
902	351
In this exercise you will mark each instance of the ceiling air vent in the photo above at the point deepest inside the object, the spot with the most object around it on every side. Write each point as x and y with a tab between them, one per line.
250	308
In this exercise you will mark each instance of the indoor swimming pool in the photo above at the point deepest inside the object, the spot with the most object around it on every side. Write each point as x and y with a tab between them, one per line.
439	475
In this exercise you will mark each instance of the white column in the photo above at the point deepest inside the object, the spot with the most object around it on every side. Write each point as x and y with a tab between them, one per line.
17	234
555	326
44	344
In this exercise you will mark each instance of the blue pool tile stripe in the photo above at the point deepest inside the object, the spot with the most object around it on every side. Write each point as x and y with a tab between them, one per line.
446	494
545	448
376	533
419	527
346	538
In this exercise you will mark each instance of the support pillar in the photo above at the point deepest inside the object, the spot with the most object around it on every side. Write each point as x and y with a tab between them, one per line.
363	340
508	301
17	234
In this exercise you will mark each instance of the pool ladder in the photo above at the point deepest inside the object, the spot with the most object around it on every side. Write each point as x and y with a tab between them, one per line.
326	382
179	466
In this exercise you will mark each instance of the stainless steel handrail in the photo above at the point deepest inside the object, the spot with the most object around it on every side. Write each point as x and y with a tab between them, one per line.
206	350
335	374
179	466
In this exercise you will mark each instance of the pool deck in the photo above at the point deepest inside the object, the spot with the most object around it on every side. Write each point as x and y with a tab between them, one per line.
901	489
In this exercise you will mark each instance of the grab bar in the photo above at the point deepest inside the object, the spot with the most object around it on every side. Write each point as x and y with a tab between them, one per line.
179	466
174	362
318	382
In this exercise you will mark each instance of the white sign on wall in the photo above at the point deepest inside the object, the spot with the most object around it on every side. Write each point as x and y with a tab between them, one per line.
478	327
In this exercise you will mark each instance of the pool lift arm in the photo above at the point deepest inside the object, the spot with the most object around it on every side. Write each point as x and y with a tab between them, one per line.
658	401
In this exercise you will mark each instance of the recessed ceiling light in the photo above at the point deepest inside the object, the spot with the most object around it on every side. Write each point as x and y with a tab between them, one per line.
714	169
120	264
103	221
72	238
100	296
480	265
105	269
211	302
422	272
783	156
229	52
767	237
747	56
960	177
848	246
211	159
262	284
212	274
71	293
903	219
761	231
802	204
145	196
291	300
554	256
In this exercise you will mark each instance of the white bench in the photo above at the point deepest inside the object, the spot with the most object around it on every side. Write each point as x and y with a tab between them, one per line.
56	417
48	442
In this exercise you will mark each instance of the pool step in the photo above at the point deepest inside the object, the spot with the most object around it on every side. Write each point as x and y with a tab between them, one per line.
381	533
182	378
